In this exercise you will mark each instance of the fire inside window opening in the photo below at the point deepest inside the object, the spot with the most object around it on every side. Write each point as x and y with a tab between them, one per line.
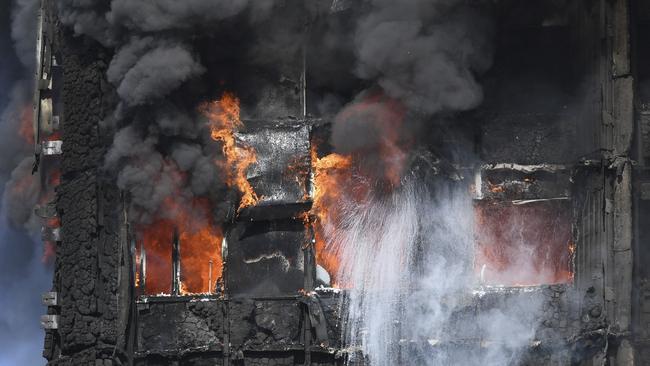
310	207
523	225
523	244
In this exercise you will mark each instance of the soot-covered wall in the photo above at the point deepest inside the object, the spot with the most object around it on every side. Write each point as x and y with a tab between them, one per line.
558	74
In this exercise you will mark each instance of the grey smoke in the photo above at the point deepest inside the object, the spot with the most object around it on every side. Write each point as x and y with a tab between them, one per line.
422	53
186	155
20	196
13	148
144	173
144	69
23	276
174	122
155	16
150	177
87	17
160	148
425	53
23	30
409	254
108	21
366	125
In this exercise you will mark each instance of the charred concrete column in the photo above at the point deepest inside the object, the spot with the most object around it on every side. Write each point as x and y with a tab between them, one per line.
604	259
93	261
641	184
618	117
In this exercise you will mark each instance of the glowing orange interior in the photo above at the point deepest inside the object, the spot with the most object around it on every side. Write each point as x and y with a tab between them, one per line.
200	244
346	178
529	244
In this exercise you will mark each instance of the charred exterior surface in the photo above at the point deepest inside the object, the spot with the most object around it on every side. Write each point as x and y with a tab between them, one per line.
262	317
170	327
93	297
265	257
192	331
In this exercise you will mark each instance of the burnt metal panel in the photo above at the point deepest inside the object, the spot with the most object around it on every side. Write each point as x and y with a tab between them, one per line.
514	182
267	325
52	147
50	321
170	327
280	176
265	257
50	298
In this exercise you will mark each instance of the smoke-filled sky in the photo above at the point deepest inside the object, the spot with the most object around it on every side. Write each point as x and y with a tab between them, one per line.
23	275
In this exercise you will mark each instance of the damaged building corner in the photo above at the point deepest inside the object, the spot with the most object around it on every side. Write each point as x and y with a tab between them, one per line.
239	216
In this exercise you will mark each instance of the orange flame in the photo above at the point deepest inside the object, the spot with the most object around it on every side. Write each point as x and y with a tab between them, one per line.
348	178
224	120
200	243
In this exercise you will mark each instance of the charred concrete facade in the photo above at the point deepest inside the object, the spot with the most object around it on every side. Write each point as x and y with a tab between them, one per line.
585	145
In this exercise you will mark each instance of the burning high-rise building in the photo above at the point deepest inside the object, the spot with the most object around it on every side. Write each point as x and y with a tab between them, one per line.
335	182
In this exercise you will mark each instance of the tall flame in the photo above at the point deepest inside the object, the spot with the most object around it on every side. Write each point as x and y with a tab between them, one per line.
330	175
341	181
224	120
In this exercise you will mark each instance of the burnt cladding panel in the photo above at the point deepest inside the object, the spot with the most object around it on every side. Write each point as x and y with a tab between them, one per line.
264	244
165	326
280	174
265	257
265	325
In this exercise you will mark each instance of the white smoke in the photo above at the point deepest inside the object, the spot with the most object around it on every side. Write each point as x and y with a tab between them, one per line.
409	260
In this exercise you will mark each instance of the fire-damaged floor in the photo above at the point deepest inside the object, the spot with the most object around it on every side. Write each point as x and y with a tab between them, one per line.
335	182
